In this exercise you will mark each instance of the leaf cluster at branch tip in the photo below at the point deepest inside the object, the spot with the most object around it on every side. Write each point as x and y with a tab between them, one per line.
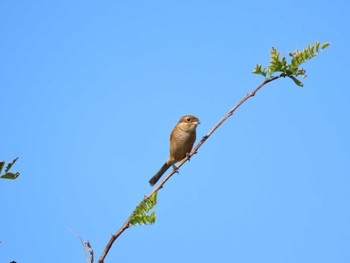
141	215
291	69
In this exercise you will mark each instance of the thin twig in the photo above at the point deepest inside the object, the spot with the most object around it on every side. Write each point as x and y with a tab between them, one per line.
194	151
85	244
91	251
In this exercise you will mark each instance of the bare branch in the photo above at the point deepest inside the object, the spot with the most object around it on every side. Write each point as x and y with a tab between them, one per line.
91	251
85	244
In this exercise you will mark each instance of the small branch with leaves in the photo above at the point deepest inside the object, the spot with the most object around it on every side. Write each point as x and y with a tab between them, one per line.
292	69
278	67
8	174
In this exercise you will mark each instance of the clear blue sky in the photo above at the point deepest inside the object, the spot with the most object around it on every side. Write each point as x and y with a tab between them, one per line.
91	90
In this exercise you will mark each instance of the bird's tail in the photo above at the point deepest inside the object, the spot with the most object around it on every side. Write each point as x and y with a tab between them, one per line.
159	174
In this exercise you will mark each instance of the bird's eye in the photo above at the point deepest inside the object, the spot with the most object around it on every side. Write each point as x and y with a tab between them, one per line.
188	119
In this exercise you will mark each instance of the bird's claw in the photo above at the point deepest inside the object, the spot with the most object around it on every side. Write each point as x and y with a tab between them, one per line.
176	170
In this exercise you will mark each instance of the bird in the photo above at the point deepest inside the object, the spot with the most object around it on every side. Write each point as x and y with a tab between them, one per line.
182	139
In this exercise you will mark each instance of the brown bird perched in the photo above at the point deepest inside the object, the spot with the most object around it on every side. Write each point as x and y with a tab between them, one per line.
182	139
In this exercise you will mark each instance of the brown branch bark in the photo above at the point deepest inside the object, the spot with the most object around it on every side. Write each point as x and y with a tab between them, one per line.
91	251
194	151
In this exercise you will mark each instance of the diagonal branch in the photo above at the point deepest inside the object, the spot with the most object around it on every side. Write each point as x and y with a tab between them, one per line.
126	225
229	113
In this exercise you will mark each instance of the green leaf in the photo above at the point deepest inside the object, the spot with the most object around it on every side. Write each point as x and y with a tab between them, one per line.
2	163
153	197
10	175
9	165
325	44
296	81
143	206
257	69
317	46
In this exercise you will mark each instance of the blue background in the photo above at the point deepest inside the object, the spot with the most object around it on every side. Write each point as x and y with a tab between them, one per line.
90	92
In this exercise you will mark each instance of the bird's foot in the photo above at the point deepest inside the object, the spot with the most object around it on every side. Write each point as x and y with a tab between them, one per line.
176	169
